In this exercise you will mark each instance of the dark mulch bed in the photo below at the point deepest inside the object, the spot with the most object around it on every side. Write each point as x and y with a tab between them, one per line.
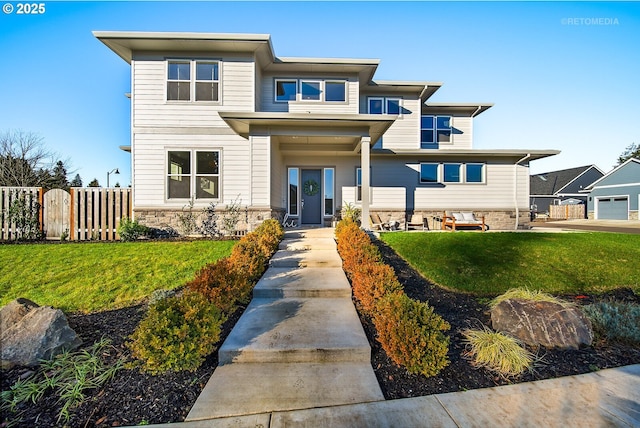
463	311
133	397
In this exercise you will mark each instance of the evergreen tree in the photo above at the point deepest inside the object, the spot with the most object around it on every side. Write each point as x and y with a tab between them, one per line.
94	183
77	181
632	151
59	177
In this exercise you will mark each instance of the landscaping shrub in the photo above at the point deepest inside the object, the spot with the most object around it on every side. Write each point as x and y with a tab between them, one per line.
355	248
373	281
497	352
223	284
177	333
615	321
248	258
131	230
269	234
412	334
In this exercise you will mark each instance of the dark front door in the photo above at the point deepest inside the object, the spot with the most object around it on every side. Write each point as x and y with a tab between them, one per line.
311	196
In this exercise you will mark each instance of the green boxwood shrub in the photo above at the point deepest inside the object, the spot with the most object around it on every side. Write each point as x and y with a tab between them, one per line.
130	230
177	333
412	334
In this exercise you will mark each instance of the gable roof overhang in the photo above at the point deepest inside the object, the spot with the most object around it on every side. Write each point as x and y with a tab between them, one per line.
610	173
440	154
125	43
314	131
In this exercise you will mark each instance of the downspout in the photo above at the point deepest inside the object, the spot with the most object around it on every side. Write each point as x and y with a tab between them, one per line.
515	188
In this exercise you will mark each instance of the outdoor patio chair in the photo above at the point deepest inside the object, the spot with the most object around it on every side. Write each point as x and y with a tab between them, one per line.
417	222
377	223
462	219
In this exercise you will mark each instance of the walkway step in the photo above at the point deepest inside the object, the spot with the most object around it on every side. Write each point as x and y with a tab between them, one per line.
297	330
302	282
245	389
315	258
306	244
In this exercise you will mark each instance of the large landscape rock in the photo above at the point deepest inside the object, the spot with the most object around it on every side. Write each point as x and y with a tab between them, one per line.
30	332
542	323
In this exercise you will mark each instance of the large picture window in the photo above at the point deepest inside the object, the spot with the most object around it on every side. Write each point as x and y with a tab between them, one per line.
193	173
195	80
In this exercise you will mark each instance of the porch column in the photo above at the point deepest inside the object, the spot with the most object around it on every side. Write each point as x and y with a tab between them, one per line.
365	165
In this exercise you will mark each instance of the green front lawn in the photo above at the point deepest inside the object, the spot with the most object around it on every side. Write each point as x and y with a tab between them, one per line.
88	277
491	263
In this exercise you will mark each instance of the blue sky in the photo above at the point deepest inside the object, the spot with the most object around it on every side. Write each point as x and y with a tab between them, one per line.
561	75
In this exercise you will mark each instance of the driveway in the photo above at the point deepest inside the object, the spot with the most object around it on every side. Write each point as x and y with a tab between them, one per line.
618	226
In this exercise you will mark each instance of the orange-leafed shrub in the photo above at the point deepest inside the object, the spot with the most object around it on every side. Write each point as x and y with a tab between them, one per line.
355	248
268	236
248	258
222	284
412	334
371	282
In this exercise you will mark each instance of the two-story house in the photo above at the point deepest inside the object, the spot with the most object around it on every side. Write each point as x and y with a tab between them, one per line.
221	118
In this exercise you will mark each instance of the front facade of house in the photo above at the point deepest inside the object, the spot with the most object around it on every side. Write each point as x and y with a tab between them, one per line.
220	119
616	196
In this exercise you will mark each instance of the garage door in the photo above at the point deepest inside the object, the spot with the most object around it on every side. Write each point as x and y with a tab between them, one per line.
613	208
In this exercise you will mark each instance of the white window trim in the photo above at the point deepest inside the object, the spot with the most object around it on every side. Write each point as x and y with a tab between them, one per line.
484	173
320	88
289	169
275	89
192	80
324	189
192	175
345	86
438	173
460	177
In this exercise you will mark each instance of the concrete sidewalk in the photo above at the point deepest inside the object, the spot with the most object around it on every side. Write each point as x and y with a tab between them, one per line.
298	357
607	398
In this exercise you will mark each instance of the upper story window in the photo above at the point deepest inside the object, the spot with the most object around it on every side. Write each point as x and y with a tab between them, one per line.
193	80
434	130
385	105
310	90
286	90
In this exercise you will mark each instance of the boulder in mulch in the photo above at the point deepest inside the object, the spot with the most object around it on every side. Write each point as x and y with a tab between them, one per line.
549	324
30	333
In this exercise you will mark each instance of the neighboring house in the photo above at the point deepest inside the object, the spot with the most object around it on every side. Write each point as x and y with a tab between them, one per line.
561	187
616	196
218	118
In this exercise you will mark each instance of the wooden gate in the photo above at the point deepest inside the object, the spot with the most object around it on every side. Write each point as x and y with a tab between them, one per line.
56	215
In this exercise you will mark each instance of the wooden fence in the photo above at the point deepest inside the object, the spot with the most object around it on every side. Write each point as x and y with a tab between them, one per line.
8	195
82	214
566	212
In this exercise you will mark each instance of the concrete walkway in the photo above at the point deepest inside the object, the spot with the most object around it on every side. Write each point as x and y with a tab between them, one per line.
299	343
298	357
